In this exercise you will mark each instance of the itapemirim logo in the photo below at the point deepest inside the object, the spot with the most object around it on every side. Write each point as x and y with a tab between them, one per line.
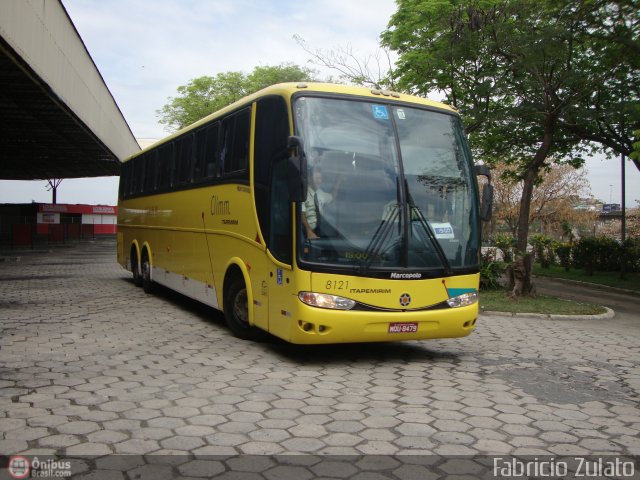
405	299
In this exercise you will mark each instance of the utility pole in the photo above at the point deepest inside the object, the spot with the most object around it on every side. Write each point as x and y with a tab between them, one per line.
623	227
54	183
623	223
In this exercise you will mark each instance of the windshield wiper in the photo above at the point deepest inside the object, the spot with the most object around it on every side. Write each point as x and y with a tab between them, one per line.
379	237
432	237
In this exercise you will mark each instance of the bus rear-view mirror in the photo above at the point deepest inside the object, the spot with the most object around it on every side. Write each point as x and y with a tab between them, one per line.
486	204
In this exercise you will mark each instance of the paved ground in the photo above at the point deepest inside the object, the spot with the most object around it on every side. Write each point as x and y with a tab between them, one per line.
91	365
625	305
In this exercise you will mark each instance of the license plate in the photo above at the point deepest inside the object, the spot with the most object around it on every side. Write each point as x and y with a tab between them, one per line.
403	327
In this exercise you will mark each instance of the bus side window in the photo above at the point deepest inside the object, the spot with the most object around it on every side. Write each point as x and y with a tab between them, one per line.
184	159
166	163
151	160
125	179
206	143
135	186
234	151
142	171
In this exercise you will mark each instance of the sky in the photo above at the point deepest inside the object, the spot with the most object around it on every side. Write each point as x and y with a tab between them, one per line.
145	49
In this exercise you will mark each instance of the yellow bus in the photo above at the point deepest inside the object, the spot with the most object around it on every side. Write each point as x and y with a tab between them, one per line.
318	213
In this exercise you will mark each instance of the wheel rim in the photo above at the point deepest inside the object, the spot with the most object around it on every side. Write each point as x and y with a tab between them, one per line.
240	309
146	270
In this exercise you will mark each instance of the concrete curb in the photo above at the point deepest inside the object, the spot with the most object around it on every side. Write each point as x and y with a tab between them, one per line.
549	316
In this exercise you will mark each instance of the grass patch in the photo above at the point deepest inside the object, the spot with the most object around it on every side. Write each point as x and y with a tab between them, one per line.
498	301
611	279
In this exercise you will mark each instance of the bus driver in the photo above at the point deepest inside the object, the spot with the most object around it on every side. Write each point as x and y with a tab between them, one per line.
313	206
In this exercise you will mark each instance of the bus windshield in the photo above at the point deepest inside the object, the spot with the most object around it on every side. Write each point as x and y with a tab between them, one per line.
390	188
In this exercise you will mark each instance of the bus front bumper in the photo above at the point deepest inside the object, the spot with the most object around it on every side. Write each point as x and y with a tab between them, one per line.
313	325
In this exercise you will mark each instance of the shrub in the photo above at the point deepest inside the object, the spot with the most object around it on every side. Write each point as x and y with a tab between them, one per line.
505	243
491	272
601	254
563	252
630	254
542	249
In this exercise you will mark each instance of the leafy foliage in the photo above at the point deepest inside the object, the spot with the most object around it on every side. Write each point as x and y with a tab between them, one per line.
631	254
491	272
543	249
553	200
505	243
597	254
205	95
635	155
563	252
516	62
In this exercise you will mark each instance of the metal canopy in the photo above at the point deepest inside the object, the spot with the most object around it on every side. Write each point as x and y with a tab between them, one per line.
41	138
57	116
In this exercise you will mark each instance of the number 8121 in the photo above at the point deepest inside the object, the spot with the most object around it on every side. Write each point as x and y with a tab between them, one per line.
337	285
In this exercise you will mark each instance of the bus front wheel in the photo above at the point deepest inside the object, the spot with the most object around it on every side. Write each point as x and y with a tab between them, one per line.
236	310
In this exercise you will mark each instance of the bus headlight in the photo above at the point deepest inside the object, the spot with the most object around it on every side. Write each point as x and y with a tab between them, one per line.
463	300
324	300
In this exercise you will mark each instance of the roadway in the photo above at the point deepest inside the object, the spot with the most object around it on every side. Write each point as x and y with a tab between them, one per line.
91	365
625	306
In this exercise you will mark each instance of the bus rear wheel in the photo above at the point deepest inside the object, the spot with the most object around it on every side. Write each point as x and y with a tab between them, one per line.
147	282
236	311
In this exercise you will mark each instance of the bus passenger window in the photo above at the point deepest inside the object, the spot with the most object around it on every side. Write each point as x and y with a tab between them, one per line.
184	150
206	143
138	176
166	163
125	179
151	159
234	154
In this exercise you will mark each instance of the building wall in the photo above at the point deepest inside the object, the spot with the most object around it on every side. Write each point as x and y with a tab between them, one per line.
25	224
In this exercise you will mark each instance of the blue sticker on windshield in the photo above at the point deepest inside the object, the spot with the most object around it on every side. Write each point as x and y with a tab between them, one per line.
380	112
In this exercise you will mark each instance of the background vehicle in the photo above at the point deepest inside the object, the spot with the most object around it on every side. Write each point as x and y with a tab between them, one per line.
215	212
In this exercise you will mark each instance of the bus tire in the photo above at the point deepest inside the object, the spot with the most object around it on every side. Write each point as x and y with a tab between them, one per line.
236	310
135	269
147	282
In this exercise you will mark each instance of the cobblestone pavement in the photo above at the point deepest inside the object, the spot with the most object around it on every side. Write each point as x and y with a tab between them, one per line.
91	365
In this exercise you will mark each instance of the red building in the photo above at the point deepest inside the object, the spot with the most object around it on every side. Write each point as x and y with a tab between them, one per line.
26	224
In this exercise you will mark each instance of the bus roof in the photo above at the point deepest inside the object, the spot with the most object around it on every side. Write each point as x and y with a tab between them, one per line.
288	89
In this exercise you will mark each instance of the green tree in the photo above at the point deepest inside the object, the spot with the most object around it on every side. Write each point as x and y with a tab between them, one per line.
611	31
635	155
524	74
205	95
262	77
